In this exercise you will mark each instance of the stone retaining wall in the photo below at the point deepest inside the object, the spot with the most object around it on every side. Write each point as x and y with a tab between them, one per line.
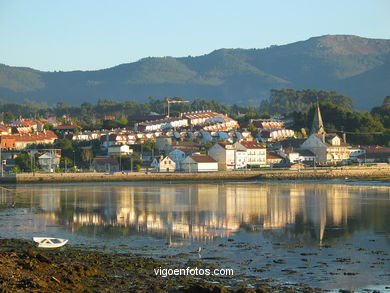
332	173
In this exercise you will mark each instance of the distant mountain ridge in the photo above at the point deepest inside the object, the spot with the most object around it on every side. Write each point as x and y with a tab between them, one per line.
354	66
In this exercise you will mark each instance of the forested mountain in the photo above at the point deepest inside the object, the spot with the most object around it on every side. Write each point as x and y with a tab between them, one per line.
354	66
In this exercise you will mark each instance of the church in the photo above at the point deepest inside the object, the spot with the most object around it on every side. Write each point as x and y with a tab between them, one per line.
328	147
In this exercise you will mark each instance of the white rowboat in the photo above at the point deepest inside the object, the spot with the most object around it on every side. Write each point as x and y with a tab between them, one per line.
47	242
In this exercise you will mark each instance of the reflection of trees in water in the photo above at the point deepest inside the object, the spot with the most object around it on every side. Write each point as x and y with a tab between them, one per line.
301	212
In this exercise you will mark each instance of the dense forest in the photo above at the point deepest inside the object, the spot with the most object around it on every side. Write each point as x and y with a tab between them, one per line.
288	100
89	114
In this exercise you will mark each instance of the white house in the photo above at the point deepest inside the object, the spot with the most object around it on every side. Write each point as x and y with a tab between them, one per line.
225	154
256	153
290	155
275	134
163	164
228	156
175	123
306	156
116	150
49	161
200	163
240	159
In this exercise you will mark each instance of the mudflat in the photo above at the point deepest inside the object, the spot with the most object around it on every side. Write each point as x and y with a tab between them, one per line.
26	268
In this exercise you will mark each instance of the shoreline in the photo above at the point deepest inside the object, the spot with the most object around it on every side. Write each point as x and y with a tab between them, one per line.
351	173
68	269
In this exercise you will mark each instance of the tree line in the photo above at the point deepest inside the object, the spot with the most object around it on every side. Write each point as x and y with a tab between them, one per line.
337	110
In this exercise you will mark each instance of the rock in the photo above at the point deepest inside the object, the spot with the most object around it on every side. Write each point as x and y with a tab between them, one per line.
246	290
279	261
31	253
41	283
206	288
43	258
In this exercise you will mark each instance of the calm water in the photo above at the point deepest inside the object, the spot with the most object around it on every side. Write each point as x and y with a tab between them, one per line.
329	234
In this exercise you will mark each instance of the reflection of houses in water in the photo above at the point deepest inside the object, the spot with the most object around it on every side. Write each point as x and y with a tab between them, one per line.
206	210
4	196
50	202
329	207
283	206
181	211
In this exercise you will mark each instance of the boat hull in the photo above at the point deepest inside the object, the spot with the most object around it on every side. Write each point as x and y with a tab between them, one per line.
48	242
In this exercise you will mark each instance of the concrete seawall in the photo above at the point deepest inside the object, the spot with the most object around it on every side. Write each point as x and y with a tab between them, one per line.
332	173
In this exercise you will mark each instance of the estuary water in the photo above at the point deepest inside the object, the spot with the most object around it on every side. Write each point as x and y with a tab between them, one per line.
327	234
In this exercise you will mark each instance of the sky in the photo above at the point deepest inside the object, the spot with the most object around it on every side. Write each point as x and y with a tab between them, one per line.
94	34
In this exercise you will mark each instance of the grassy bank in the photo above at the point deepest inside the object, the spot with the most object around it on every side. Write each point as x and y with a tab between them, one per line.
359	173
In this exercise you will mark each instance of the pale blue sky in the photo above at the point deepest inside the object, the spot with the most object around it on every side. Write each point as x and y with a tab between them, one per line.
94	34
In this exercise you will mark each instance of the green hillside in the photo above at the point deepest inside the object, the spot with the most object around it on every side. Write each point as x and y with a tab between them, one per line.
354	66
19	79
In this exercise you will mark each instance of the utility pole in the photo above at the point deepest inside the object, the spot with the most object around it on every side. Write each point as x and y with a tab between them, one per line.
31	160
1	160
74	160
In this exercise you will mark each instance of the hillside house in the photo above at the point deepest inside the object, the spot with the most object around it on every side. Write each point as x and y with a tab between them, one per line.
119	150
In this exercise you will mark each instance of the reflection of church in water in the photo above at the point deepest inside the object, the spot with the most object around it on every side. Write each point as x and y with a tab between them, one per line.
206	211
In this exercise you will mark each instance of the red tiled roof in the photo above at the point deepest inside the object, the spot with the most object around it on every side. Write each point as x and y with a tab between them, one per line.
29	122
32	137
252	145
186	150
223	143
378	151
205	114
273	155
203	159
4	127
